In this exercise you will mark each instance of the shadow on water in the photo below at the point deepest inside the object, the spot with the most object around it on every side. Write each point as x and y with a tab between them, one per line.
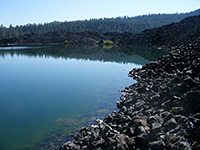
137	55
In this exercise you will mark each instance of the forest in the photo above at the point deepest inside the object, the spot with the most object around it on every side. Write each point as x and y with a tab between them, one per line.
118	24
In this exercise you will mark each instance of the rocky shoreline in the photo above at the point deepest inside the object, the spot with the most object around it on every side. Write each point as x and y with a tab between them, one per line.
160	111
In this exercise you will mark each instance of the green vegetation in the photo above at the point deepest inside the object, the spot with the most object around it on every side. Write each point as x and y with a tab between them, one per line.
119	24
176	109
97	42
172	47
108	46
108	42
66	42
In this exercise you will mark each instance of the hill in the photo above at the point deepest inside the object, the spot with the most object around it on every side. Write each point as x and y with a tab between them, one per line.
168	35
119	24
165	36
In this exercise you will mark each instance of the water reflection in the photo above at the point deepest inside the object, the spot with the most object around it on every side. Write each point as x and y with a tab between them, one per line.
135	55
48	92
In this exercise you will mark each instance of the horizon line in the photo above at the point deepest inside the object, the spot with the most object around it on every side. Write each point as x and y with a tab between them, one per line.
88	19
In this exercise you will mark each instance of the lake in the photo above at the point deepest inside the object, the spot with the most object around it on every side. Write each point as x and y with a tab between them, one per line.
48	92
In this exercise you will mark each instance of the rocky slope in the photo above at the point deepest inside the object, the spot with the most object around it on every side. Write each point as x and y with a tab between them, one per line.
160	111
52	38
165	36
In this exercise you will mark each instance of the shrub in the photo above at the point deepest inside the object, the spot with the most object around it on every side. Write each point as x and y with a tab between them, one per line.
97	42
108	46
108	42
66	42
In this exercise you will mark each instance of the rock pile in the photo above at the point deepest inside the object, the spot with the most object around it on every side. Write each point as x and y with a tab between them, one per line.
160	111
165	36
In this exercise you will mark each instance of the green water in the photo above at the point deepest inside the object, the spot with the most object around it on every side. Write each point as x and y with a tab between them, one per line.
48	92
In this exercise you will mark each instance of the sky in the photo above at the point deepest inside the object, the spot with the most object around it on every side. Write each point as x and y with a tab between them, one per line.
20	12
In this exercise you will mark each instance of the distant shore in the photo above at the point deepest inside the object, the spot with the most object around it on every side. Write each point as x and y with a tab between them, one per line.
166	36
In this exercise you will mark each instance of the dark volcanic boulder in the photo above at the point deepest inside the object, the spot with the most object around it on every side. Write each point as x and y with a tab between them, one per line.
167	35
160	111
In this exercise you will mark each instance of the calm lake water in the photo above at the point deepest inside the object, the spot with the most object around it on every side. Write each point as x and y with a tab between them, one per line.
48	92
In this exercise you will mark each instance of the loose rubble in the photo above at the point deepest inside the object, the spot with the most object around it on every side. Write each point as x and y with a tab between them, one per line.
160	111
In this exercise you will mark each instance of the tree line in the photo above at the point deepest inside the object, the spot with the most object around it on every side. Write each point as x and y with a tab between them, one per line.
118	24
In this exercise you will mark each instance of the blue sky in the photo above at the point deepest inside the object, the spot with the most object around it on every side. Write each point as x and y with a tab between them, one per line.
19	12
